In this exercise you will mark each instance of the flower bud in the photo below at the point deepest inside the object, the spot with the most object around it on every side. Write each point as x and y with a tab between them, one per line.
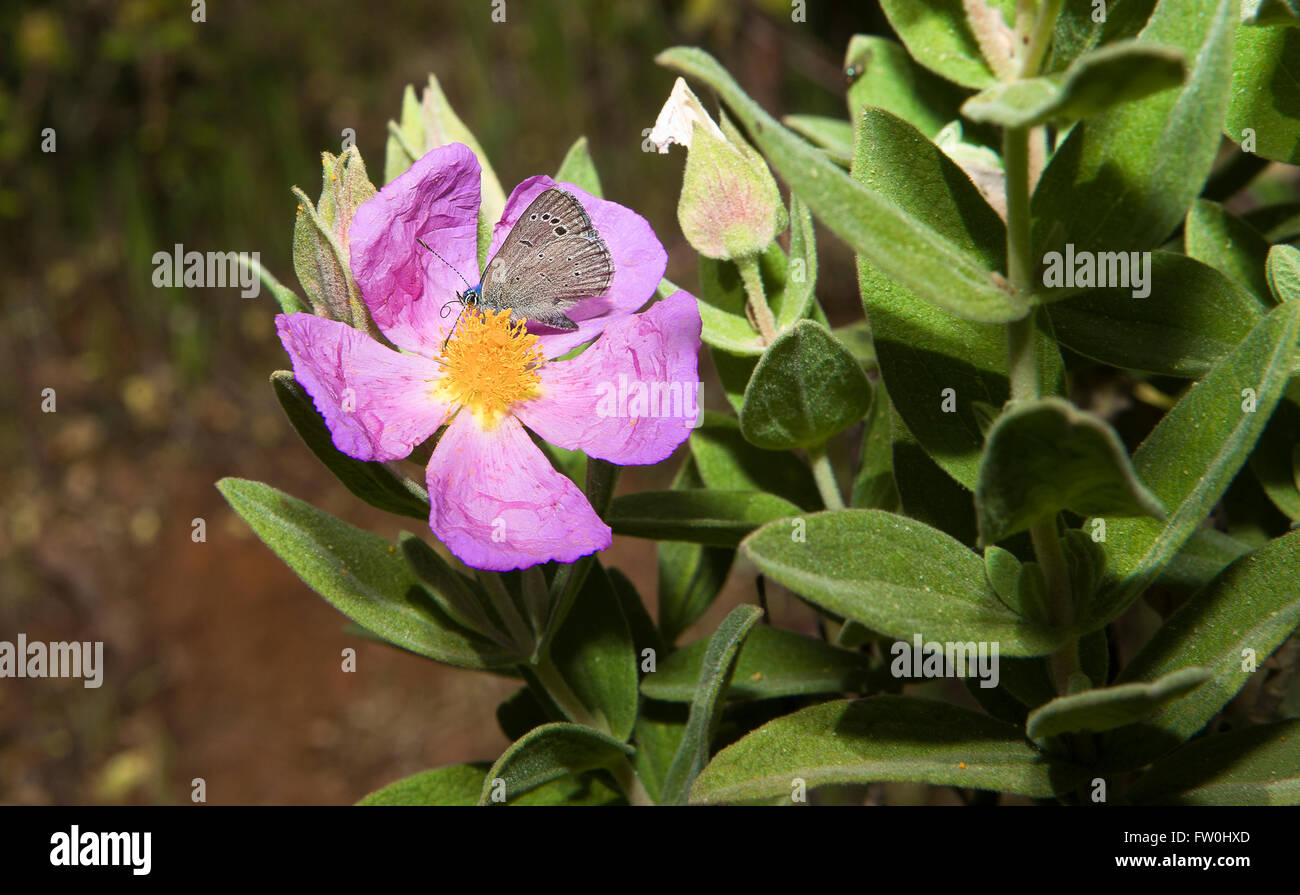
730	206
320	238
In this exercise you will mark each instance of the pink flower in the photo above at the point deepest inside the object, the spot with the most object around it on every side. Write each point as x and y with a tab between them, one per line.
495	500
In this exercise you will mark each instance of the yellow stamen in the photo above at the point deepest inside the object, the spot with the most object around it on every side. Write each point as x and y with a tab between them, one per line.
490	364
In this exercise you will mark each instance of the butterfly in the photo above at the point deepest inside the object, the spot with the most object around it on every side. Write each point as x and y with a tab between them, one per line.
551	259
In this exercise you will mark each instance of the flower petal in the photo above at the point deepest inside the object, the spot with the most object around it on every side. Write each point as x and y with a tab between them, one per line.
638	256
377	402
405	287
499	505
633	396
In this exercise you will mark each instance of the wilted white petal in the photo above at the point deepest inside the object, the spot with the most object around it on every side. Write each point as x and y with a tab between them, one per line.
678	118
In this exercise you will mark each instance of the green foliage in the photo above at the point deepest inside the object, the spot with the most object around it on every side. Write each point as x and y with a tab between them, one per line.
1170	474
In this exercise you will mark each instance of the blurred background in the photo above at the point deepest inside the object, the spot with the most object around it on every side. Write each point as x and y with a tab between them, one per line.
220	663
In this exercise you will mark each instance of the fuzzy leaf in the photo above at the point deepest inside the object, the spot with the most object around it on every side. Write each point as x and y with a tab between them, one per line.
1109	707
881	738
773	662
716	518
1194	453
374	483
806	388
548	753
893	575
706	707
360	574
1045	456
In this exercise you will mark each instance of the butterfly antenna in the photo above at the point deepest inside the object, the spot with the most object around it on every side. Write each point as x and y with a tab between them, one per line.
445	261
452	328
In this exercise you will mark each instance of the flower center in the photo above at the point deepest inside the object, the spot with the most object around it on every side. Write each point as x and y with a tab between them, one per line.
490	364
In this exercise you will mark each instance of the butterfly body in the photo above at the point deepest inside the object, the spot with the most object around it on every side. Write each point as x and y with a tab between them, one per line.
552	258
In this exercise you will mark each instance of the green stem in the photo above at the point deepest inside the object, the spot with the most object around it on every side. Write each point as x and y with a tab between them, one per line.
760	315
630	783
537	599
1041	37
1022	358
824	476
507	611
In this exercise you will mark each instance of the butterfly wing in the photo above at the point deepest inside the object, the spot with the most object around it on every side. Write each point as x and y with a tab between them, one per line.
551	259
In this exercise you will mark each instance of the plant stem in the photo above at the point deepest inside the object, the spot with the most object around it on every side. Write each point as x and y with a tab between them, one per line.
630	783
1040	38
824	476
507	611
1022	358
537	599
755	299
562	694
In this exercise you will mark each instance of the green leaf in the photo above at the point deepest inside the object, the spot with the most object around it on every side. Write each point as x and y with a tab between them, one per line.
375	483
923	350
774	662
441	126
594	653
727	462
1274	461
874	487
456	595
690	577
461	784
1228	244
881	738
882	75
938	35
1265	93
359	574
794	300
926	490
456	784
716	518
706	706
1077	31
833	135
548	753
1271	12
405	140
659	731
806	388
1098	80
734	372
1253	605
1194	453
896	576
1193	318
579	170
1283	270
901	245
1106	708
1252	766
1045	456
1125	179
1206	553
